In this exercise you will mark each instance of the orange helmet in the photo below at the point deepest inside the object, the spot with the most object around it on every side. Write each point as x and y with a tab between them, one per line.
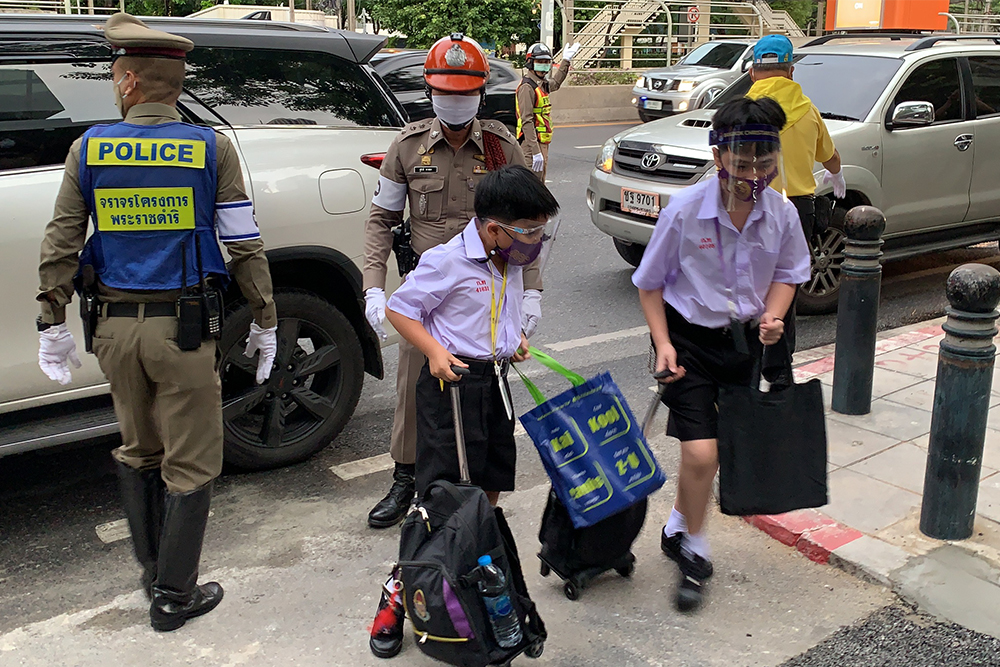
456	64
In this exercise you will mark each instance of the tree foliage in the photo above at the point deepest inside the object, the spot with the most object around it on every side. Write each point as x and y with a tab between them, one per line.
503	22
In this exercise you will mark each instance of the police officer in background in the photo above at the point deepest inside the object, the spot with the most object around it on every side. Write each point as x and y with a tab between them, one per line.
534	110
158	191
434	165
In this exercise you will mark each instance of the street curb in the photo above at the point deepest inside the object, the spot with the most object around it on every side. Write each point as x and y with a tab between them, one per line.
812	533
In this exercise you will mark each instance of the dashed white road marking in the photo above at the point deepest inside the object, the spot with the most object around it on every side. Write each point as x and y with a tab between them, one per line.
362	467
562	346
581	148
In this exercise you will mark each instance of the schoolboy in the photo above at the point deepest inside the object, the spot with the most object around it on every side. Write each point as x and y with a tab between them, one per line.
461	307
715	282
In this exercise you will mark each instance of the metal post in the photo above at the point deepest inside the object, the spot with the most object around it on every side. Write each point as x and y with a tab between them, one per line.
352	16
961	403
291	11
546	31
857	314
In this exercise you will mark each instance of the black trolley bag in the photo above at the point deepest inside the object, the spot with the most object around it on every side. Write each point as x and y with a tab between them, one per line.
441	542
579	555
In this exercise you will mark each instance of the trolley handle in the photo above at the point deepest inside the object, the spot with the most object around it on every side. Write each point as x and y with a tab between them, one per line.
456	408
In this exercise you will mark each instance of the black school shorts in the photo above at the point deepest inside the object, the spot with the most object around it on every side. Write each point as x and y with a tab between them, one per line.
711	360
489	434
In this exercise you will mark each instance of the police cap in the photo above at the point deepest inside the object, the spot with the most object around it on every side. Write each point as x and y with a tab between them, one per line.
132	37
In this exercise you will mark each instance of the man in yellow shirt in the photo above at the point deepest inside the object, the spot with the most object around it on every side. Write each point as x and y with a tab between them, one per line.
805	139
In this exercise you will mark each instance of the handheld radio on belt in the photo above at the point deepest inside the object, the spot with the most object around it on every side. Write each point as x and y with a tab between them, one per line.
211	301
189	312
89	305
406	257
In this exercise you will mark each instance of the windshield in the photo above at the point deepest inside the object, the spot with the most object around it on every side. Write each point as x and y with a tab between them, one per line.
715	54
841	87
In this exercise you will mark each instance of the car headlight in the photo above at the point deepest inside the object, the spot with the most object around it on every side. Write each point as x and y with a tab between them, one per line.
641	82
686	86
607	155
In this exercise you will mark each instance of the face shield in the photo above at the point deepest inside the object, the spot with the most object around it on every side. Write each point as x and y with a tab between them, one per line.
529	241
749	159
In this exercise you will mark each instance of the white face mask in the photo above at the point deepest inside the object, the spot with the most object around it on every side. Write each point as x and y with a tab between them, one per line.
455	110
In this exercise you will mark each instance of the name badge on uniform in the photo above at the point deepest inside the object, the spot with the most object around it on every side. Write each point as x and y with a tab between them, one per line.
425	170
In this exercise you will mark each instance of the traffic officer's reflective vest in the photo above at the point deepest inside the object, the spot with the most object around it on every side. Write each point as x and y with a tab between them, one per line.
150	189
542	111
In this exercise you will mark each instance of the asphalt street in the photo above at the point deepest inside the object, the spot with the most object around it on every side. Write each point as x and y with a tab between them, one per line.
302	569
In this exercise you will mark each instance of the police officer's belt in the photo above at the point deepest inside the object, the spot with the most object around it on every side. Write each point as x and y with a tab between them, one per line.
155	309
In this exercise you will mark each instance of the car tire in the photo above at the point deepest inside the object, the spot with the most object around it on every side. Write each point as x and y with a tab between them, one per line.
630	252
821	293
312	392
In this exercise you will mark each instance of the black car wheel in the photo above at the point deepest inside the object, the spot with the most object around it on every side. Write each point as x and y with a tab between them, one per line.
821	293
630	252
313	390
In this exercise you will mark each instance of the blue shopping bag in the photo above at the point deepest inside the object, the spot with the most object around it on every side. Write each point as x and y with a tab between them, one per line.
591	446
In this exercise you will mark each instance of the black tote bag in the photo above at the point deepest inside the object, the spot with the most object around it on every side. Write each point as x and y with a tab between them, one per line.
772	445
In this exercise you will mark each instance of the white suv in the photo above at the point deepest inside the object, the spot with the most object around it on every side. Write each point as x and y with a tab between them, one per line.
917	123
310	120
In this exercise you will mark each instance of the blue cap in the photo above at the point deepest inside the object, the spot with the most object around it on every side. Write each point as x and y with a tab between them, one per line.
772	50
485	560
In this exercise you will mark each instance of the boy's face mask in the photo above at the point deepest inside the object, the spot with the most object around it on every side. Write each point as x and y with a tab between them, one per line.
746	189
525	244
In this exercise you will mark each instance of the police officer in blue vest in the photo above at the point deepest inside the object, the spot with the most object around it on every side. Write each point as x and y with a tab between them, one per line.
159	194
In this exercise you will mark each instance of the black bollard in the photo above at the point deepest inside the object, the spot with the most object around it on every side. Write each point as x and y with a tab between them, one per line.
961	404
857	314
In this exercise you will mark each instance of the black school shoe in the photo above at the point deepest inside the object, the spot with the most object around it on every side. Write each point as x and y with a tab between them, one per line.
387	631
695	572
671	546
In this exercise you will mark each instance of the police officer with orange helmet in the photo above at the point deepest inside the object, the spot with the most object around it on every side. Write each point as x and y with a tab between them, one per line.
434	165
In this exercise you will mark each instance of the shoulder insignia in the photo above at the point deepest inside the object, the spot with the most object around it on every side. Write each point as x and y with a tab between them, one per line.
416	128
497	128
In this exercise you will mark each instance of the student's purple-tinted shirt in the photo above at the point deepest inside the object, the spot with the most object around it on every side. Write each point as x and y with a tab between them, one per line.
683	257
449	293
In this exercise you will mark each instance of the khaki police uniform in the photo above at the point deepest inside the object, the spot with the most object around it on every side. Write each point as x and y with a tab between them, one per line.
422	169
525	100
168	402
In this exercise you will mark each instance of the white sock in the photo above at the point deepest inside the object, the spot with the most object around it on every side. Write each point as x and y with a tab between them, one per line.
697	545
675	524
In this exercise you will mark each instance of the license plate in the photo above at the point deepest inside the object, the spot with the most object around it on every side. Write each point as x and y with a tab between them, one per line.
655	105
642	203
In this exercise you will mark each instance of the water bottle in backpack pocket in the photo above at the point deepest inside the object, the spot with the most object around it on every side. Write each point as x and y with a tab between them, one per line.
492	587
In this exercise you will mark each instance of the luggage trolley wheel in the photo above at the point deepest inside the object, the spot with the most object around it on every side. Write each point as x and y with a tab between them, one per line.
544	569
535	650
572	590
627	569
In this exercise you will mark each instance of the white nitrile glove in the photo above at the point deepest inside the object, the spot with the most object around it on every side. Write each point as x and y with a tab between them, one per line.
56	351
266	341
375	310
537	162
531	312
839	184
570	51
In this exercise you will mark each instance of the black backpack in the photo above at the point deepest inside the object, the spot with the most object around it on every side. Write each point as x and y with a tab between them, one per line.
440	545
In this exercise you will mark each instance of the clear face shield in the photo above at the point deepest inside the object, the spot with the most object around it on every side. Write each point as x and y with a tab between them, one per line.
530	242
749	159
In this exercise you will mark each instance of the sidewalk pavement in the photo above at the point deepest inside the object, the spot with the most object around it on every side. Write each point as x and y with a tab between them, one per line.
876	476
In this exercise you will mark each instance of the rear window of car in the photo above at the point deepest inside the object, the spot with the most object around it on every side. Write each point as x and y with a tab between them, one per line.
842	87
271	87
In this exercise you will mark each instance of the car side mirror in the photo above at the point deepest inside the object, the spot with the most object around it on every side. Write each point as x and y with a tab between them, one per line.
746	65
913	114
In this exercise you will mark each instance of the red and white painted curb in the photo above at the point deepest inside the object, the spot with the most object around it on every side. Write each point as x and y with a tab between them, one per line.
810	531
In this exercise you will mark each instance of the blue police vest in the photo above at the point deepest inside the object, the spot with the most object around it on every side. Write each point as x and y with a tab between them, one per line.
151	191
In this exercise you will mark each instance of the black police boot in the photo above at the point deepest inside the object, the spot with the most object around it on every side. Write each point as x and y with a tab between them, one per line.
142	495
391	509
177	596
387	629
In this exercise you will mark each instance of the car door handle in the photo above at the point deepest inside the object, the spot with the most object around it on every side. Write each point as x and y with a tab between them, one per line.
963	142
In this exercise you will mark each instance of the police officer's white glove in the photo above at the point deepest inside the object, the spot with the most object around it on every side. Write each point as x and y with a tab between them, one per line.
375	310
531	312
570	51
537	162
839	184
266	341
56	351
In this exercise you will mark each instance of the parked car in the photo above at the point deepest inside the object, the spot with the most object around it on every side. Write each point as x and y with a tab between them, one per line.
694	82
309	119
904	113
403	72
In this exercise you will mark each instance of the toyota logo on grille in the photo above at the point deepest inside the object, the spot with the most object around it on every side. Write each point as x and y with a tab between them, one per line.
650	161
